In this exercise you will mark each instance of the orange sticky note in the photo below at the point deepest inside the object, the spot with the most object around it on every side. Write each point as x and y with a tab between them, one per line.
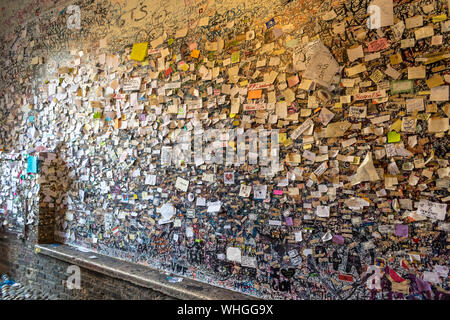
139	51
254	94
292	81
195	53
117	123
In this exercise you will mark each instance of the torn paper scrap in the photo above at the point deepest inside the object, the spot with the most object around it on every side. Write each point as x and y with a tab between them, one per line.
319	62
366	171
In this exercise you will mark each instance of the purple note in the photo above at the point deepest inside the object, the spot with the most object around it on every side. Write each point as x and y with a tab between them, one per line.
338	239
422	285
401	230
289	221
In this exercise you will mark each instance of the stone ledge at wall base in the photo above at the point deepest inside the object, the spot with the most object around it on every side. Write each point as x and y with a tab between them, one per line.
143	276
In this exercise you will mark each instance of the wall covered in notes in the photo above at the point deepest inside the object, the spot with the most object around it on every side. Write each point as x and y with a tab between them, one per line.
97	96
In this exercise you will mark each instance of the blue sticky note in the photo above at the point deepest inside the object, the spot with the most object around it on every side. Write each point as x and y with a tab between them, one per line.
270	23
32	164
31	118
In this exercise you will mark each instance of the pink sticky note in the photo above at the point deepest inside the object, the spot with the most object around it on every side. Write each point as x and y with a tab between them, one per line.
193	46
377	45
278	192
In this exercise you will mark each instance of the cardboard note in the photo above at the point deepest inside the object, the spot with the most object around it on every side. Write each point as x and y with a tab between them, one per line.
234	254
433	210
167	211
182	184
440	93
323	211
132	84
357	112
391	72
181	33
254	106
370	95
382	14
416	72
235	105
337	129
437	125
414	22
355	53
353	71
320	63
424	32
414	105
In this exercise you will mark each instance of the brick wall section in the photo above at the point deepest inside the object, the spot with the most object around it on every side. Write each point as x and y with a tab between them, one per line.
19	260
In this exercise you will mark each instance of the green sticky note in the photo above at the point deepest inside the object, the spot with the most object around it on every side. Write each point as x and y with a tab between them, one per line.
402	86
97	115
393	136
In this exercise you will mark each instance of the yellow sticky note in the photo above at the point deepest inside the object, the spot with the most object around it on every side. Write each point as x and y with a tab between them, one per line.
393	137
279	52
235	57
135	196
439	18
243	83
396	126
287	142
184	67
195	53
396	59
356	160
281	137
435	81
139	51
